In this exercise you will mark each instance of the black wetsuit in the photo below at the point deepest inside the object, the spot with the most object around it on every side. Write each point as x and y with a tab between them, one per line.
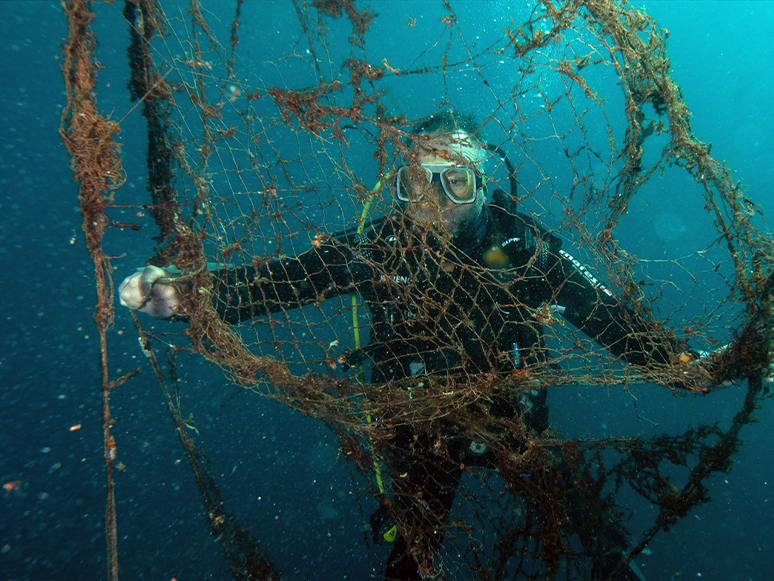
447	311
450	311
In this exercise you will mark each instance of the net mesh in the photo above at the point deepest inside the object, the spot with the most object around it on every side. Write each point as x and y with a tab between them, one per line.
284	142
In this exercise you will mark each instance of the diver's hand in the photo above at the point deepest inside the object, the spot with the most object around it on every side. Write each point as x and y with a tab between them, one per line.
141	292
703	368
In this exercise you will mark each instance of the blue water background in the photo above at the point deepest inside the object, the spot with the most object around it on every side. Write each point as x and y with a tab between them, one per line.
279	470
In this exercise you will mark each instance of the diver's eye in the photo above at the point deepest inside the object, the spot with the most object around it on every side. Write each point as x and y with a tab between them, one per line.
458	183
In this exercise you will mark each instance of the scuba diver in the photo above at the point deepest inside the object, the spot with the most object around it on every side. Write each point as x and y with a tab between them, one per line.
454	286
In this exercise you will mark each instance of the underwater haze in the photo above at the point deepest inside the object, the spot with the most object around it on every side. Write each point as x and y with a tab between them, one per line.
279	470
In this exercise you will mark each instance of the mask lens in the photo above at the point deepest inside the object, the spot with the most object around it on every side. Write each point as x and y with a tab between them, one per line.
412	182
459	184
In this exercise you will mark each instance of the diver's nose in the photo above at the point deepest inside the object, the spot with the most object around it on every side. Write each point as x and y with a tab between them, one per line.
434	196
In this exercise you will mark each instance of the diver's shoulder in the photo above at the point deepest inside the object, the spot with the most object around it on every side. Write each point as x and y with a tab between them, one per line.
383	230
508	222
519	233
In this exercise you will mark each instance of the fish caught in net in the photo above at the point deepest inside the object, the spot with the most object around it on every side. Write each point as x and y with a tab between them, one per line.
416	246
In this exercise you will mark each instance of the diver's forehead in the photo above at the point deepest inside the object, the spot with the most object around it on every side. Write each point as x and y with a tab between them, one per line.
441	153
449	148
445	141
434	157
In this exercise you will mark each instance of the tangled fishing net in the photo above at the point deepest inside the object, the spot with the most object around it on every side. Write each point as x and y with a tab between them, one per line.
261	149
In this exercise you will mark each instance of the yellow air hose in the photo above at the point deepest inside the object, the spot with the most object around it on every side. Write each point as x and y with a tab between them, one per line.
356	327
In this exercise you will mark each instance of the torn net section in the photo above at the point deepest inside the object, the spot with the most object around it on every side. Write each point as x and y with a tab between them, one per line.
290	143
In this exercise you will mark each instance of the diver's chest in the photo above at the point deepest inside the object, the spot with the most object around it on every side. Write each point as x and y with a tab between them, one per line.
444	287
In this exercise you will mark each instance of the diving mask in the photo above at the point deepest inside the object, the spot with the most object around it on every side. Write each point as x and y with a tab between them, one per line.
460	184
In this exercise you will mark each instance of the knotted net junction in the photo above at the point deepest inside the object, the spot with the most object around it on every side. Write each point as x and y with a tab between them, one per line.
264	145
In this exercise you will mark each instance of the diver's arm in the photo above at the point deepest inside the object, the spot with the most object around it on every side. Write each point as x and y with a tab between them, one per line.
326	270
593	309
243	292
575	293
636	339
323	271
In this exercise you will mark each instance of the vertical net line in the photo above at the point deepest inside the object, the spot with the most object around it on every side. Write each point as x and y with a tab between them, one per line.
96	164
148	87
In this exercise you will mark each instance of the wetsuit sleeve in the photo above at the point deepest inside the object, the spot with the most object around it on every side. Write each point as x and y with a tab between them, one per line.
572	290
320	273
593	309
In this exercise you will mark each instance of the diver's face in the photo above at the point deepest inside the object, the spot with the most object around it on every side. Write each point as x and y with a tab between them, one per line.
432	207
